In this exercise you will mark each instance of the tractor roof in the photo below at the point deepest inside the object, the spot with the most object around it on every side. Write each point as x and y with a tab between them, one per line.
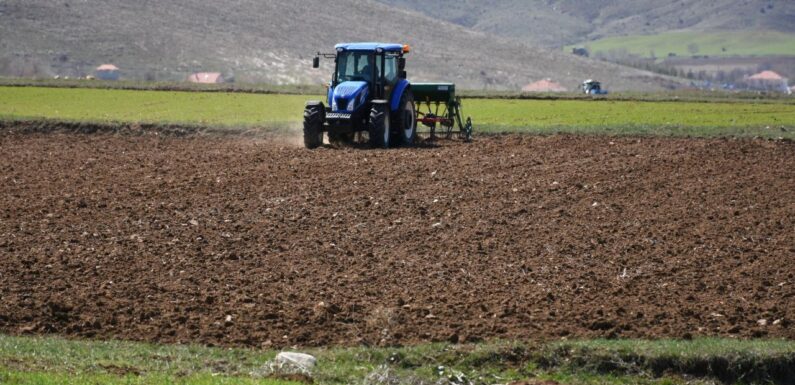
389	47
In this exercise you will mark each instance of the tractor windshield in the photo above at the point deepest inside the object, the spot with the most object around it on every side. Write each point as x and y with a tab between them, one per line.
355	66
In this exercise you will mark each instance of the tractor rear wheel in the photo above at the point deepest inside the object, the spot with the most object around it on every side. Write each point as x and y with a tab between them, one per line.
313	126
379	127
406	120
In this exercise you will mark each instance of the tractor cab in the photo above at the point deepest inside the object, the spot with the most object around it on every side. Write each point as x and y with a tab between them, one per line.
368	92
370	67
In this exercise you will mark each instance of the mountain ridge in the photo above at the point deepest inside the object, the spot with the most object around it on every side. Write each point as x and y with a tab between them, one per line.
273	42
556	23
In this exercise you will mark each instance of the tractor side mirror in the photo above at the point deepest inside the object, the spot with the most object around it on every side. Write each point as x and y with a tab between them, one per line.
401	63
316	62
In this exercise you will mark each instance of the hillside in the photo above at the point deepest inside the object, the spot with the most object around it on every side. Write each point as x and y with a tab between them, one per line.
270	41
556	23
688	43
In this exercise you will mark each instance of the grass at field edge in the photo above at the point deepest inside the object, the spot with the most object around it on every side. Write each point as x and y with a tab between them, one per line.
55	360
684	95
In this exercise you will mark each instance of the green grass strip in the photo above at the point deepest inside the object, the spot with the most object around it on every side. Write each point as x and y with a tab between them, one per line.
159	107
728	360
628	117
769	119
54	360
56	378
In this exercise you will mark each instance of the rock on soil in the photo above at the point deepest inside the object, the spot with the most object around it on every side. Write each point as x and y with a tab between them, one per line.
303	361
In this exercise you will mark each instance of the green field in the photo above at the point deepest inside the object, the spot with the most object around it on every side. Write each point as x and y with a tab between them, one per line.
629	117
686	43
621	117
101	105
53	360
693	95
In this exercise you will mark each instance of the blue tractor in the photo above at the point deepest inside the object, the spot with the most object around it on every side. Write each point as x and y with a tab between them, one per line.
369	93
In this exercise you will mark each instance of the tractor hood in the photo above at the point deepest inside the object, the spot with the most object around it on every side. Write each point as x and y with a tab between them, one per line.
348	96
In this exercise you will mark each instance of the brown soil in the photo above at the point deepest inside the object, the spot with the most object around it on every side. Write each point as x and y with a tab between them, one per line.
236	241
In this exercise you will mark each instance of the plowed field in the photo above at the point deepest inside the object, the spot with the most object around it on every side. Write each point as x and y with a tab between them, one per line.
234	241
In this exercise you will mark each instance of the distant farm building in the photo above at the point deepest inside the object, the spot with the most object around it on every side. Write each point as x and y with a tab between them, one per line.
546	85
768	81
206	78
107	72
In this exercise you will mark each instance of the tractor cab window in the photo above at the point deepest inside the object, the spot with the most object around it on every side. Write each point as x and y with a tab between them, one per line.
355	66
390	68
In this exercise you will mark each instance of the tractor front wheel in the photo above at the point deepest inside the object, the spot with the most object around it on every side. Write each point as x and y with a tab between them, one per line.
313	126
379	127
406	120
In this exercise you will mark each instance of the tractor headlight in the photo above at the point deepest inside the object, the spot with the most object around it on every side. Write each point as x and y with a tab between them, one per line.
357	101
334	104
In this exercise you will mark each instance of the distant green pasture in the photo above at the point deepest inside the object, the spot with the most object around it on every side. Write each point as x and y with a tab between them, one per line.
687	43
104	105
631	118
217	109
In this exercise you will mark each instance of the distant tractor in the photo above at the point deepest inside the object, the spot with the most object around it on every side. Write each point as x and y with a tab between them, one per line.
592	87
369	93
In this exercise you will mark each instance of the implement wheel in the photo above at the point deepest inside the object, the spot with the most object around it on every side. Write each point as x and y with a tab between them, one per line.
468	130
313	125
464	127
379	127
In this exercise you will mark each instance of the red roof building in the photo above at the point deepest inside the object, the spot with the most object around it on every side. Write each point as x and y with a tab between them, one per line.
768	81
107	72
107	67
766	75
206	77
546	85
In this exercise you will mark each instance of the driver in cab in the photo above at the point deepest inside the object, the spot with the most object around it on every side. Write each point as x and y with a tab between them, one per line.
366	72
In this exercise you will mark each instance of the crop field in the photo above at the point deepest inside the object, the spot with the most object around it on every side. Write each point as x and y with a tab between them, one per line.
633	242
270	111
687	43
200	108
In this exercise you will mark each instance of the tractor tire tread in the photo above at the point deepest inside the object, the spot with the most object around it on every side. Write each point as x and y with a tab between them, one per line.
377	124
313	127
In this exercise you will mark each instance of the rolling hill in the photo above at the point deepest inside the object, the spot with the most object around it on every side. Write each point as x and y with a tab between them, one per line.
272	41
689	43
555	23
